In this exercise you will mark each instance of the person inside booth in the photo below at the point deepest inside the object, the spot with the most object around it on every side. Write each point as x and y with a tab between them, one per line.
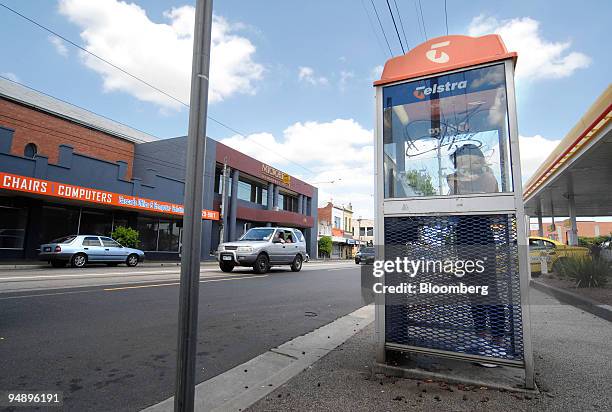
472	173
476	241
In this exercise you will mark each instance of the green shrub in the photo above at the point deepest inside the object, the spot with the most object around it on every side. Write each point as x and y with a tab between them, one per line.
325	246
585	271
127	236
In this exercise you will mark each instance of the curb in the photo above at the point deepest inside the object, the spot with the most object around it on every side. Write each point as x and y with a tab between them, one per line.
245	384
598	309
46	265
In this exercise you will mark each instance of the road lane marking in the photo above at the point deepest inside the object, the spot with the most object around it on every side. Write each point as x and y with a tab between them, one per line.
50	294
178	283
88	275
127	287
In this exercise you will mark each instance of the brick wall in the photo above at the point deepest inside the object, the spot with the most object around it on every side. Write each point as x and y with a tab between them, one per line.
47	132
325	213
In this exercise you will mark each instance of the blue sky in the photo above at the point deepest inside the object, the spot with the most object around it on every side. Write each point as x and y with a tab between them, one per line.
293	74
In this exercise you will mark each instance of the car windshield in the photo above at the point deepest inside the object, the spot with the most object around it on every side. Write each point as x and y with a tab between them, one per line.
258	234
65	239
367	250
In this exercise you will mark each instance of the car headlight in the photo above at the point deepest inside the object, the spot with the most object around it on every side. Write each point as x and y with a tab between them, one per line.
244	249
221	248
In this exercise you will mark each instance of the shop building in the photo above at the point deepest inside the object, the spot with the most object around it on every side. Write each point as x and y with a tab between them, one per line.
65	170
363	231
336	221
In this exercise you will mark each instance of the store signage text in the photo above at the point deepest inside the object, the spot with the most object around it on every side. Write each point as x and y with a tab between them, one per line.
275	174
66	191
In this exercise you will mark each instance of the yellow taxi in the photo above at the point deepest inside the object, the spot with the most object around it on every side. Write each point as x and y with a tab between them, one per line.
553	250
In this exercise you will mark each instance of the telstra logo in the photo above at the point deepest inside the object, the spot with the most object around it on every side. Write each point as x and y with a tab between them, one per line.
422	91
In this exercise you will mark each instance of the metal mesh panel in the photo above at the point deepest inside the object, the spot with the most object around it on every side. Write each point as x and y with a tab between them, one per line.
485	325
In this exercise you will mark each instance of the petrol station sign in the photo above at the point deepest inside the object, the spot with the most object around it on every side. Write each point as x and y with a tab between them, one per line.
449	206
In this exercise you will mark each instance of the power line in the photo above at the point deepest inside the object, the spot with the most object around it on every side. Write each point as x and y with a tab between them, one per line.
416	14
395	25
423	19
381	26
445	17
373	28
149	84
401	24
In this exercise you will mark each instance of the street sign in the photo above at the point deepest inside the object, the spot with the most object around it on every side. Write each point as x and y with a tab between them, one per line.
449	200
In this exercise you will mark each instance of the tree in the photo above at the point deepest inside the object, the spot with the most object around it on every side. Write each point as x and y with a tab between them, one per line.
127	236
420	182
325	246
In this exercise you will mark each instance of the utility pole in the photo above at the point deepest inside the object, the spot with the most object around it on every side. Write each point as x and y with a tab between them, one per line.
223	202
192	219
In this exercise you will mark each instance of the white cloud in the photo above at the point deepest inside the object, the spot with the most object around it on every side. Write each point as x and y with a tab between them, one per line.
345	76
160	53
306	74
11	76
340	151
377	72
538	58
534	150
59	45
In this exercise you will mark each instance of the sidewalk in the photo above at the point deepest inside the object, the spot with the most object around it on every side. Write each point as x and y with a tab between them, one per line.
573	361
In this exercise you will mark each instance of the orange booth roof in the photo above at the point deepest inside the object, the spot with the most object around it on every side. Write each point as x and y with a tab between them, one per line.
444	54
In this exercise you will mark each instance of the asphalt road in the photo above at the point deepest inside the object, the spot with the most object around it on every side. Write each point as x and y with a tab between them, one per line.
106	337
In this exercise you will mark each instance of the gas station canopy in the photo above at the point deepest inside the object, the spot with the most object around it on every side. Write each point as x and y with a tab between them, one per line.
579	169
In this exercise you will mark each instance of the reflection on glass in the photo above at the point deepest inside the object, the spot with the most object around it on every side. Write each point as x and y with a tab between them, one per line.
447	135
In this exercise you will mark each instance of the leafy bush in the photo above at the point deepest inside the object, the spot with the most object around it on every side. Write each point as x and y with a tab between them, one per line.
127	236
585	271
325	246
593	243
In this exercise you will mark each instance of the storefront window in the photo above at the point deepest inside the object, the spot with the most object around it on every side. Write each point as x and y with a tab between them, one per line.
447	135
58	221
12	227
120	219
95	222
281	201
168	236
147	229
244	191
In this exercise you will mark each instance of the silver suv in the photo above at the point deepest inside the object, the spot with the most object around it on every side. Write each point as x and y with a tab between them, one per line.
263	247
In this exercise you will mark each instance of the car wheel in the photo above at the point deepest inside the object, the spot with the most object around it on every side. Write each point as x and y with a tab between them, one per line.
262	264
356	261
58	263
296	266
79	260
226	266
132	260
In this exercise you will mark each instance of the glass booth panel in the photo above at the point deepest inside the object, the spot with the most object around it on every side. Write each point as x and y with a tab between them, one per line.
447	135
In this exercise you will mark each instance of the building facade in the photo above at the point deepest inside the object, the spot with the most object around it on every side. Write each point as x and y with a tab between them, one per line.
363	231
64	170
561	230
336	221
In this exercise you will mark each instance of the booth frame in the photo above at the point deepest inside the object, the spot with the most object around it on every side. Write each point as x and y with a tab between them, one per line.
509	202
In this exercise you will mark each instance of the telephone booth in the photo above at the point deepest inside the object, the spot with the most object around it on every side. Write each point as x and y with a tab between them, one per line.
448	192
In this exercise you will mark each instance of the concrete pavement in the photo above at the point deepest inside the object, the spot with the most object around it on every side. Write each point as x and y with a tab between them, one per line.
573	360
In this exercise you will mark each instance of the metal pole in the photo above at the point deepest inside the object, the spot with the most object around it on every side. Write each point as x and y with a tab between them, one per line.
192	220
